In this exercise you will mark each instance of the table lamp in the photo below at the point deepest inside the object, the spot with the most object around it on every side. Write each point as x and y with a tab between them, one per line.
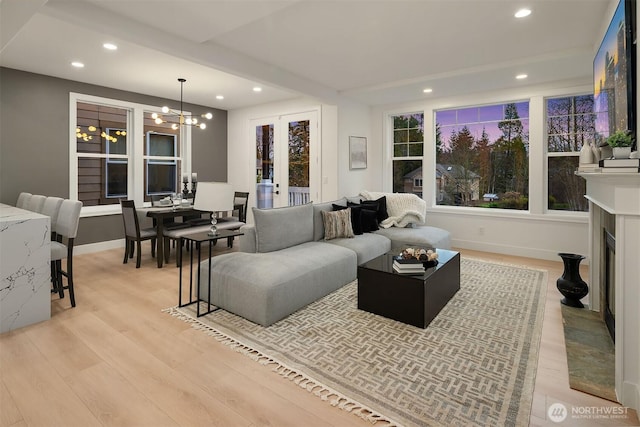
214	197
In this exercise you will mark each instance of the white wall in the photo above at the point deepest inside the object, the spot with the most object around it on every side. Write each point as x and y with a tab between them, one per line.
535	233
353	120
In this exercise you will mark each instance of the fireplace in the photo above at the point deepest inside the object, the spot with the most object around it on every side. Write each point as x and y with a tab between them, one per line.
614	255
607	283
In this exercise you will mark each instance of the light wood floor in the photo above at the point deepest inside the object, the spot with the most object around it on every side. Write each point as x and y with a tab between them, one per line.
117	360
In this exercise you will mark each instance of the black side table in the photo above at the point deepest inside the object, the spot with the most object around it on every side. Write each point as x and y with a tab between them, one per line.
195	241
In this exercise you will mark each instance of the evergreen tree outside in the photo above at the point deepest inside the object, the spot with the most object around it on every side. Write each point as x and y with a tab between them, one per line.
299	154
486	153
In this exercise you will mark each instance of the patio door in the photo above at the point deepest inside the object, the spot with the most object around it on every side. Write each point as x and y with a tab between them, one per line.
287	163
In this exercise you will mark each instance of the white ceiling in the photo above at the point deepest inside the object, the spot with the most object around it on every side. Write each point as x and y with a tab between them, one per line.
373	51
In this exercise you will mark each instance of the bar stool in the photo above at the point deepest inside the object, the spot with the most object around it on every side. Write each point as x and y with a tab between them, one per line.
35	203
51	208
66	229
23	199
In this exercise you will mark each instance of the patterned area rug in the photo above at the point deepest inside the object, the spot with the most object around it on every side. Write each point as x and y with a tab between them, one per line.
474	365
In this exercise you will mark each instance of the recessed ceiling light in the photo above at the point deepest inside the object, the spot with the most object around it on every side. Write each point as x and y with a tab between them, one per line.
77	64
521	76
257	89
110	46
522	13
427	90
220	97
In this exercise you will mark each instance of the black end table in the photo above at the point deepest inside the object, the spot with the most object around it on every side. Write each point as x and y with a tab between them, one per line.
415	299
195	241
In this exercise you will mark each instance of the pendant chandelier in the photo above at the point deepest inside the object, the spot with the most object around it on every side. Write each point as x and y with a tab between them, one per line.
183	119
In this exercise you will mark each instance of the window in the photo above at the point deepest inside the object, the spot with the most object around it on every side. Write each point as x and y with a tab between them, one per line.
116	167
102	151
570	125
161	158
114	162
408	148
482	156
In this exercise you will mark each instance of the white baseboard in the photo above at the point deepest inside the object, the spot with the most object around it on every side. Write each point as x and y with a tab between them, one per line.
98	247
508	250
630	395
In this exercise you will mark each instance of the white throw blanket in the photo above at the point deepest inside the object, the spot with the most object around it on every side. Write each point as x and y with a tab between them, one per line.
403	208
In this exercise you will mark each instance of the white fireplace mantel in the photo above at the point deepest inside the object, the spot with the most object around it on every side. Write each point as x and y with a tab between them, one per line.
619	195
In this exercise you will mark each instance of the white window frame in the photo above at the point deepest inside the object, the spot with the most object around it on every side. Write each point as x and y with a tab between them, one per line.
479	105
548	154
388	169
537	154
111	158
160	160
135	150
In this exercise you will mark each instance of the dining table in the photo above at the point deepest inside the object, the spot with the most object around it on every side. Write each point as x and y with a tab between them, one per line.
160	214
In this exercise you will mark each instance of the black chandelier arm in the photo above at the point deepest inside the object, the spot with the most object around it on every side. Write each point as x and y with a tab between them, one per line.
182	117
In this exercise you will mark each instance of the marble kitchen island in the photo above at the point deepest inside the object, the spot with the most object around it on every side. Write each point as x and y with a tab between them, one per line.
25	257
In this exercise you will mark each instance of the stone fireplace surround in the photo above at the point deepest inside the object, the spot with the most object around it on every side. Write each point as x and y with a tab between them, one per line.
619	195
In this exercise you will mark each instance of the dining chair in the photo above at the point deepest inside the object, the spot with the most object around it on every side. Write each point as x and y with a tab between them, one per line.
133	234
240	202
35	203
23	200
66	231
232	222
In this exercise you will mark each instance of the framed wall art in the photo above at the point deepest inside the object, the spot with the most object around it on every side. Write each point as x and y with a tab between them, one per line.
357	152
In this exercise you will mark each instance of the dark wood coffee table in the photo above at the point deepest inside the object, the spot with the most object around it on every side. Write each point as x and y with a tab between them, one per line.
412	299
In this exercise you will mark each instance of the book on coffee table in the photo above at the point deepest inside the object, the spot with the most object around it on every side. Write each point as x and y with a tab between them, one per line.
400	260
408	268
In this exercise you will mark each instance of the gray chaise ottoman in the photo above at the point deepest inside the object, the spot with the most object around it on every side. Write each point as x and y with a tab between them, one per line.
267	287
280	269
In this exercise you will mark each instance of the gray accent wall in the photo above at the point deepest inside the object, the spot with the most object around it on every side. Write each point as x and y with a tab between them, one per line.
34	142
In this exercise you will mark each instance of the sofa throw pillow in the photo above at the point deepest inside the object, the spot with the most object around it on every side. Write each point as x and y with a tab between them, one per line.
356	222
280	228
318	226
337	224
380	206
368	217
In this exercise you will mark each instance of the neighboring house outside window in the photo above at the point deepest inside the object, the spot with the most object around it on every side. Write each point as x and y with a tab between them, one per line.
408	150
112	162
466	184
116	167
161	164
570	125
102	153
483	151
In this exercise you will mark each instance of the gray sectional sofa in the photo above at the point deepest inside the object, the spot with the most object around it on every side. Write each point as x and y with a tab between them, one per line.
284	262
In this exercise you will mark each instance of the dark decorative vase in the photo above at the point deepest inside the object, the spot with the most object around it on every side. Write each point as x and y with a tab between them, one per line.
570	284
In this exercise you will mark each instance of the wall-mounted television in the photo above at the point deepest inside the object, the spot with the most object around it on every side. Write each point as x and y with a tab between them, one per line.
614	79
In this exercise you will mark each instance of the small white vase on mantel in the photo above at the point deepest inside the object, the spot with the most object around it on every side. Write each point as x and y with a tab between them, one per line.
621	152
596	152
586	155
